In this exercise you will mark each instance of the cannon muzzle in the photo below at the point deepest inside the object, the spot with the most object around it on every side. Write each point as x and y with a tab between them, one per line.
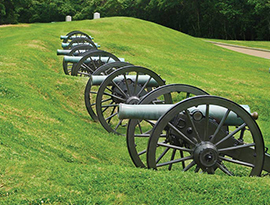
62	52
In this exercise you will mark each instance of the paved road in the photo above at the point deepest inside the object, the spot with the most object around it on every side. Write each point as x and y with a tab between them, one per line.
247	50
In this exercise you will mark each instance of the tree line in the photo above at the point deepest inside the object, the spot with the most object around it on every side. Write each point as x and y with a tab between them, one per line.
224	19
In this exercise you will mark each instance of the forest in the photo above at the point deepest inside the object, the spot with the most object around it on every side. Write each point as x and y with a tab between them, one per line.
222	19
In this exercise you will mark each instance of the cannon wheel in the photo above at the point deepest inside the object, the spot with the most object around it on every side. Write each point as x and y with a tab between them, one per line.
203	142
108	68
137	135
79	41
91	90
111	94
75	34
78	50
91	61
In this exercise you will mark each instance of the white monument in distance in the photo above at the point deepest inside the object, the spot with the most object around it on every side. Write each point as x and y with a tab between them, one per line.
96	15
68	18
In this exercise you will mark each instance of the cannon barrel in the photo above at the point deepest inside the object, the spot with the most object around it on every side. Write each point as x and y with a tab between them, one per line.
66	52
65	45
154	112
72	37
63	52
98	79
76	59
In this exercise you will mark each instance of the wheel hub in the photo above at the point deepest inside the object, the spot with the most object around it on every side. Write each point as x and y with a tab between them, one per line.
131	91
205	154
133	100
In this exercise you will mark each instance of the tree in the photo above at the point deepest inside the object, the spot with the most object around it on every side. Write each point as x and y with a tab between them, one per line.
7	12
262	19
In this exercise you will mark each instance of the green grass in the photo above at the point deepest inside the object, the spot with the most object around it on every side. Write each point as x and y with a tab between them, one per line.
52	152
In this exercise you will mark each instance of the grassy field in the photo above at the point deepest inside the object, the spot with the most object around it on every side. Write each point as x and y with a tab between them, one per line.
51	152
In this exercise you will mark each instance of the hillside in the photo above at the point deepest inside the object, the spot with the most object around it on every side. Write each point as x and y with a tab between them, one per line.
52	152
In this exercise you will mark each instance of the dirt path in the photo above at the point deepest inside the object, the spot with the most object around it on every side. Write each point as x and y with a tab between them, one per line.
247	50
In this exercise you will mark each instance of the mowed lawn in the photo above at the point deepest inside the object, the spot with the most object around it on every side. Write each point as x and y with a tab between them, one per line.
52	152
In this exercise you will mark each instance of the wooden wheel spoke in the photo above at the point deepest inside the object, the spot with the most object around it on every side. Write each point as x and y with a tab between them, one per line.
236	147
143	87
206	133
173	147
125	78
237	162
180	133
108	118
109	89
83	73
220	125
120	89
224	169
93	62
197	169
162	154
139	125
106	100
117	126
115	96
150	122
193	126
189	166
142	152
85	66
93	104
106	108
111	114
136	83
110	105
182	155
172	158
142	135
231	134
174	161
108	59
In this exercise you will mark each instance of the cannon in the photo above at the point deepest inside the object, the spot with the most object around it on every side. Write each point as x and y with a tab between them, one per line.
170	94
91	89
75	43
79	41
127	84
203	133
90	61
74	34
78	50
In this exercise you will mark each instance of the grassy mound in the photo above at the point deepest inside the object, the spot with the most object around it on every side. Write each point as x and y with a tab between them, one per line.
52	152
